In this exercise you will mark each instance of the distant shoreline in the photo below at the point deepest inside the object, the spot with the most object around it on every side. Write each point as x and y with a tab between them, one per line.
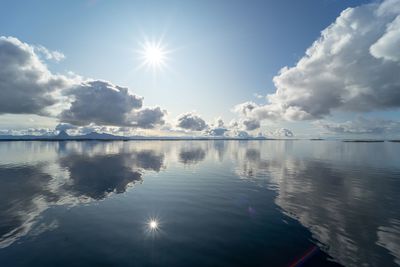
144	139
183	139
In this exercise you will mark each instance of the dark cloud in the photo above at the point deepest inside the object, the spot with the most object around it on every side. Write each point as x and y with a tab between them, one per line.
26	85
103	103
251	124
62	127
148	118
100	102
191	121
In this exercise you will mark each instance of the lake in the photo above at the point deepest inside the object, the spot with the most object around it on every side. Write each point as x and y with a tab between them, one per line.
199	203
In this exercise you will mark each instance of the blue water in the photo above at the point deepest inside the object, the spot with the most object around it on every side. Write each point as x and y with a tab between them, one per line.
211	203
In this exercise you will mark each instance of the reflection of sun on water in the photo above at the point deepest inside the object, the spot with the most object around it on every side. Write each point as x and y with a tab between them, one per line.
153	224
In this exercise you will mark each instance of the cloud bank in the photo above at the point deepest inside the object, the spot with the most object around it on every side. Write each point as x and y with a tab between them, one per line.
361	125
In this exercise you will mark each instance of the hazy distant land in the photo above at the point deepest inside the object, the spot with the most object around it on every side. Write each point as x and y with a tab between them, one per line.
93	136
63	136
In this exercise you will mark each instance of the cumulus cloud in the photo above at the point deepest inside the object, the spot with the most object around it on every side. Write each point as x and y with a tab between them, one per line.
361	125
247	120
251	124
245	108
387	47
62	127
26	85
148	118
353	66
242	134
49	54
192	122
101	102
219	131
282	132
217	128
219	123
82	130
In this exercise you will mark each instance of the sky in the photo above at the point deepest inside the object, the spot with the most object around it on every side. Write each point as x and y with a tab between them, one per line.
311	68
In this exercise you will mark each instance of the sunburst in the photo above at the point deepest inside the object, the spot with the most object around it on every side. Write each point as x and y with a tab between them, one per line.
154	55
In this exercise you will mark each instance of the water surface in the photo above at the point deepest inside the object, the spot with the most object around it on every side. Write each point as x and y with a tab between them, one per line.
216	203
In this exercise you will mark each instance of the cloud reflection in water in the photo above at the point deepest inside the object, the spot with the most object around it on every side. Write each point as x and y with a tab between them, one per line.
347	198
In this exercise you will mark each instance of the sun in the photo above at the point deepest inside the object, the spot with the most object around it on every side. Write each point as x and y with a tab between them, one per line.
154	55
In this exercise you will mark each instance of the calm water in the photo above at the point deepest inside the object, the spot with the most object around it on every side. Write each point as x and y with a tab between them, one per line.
216	203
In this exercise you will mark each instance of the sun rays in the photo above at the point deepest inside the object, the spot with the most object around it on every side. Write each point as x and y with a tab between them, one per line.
154	55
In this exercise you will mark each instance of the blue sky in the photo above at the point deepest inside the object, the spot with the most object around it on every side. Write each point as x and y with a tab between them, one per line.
222	52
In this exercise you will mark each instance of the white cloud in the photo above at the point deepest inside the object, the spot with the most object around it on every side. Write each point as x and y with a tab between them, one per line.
353	66
217	128
241	134
245	108
26	85
387	47
49	54
361	125
282	132
29	131
256	95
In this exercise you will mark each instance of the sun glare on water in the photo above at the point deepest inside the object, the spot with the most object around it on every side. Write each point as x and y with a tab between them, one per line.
153	225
